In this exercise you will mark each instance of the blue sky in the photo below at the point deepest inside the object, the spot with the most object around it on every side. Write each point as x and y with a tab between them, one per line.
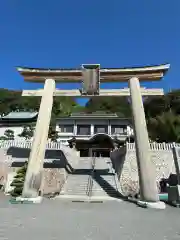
116	33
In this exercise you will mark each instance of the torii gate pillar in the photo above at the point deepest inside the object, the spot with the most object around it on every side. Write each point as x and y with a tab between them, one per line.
35	164
147	178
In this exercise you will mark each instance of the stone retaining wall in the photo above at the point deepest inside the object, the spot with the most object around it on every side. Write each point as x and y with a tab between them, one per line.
53	178
125	164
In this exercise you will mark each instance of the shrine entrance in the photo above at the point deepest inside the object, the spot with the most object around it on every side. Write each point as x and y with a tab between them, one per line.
99	152
100	145
95	152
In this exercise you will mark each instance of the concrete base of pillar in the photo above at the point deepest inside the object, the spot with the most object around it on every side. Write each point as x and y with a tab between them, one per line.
155	205
30	200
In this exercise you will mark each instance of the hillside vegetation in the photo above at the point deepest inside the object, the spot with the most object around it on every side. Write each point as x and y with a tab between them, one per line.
162	113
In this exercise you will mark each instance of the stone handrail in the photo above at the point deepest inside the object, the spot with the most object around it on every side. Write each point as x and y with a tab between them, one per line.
70	154
155	146
27	144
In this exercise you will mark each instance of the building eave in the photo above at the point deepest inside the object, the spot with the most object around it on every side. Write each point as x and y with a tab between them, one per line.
106	74
17	121
92	118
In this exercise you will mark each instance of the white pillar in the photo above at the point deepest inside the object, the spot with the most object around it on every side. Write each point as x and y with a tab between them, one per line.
109	128
75	127
147	179
92	129
35	164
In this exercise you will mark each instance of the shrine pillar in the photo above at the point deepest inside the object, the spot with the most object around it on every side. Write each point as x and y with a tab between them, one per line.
147	178
35	164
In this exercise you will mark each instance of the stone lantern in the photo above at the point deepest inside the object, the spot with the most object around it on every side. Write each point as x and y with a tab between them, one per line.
74	143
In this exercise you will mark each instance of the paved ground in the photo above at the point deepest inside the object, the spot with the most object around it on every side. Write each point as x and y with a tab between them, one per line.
54	219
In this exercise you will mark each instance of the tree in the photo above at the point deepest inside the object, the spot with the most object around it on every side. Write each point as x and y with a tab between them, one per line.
163	119
173	99
28	132
165	127
18	181
53	134
9	134
11	100
155	106
3	138
119	105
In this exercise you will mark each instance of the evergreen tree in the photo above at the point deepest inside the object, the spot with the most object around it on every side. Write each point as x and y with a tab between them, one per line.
28	132
18	181
165	127
53	134
9	134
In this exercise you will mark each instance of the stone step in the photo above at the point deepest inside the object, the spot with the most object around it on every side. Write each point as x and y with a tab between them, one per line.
104	190
76	193
112	188
76	188
77	185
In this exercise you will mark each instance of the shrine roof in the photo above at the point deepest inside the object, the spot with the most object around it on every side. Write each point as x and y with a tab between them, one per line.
93	115
144	73
20	115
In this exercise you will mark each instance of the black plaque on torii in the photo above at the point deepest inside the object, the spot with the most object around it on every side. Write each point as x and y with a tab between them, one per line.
91	79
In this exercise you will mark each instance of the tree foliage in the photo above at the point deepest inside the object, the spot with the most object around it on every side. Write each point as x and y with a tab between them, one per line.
119	105
18	181
165	127
13	101
157	105
28	132
53	134
8	135
163	117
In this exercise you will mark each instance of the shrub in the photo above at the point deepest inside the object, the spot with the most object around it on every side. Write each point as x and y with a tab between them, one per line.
18	181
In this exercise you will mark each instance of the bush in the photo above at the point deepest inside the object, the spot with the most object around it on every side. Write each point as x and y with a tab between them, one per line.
18	181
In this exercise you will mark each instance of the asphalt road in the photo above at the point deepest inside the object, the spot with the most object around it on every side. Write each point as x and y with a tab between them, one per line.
54	219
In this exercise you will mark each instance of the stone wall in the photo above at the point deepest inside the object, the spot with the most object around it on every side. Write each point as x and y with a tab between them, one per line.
53	180
125	164
54	175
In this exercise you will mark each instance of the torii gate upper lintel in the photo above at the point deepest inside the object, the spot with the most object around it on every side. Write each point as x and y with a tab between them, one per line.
91	75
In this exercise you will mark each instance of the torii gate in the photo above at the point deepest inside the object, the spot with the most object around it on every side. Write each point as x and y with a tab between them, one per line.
92	75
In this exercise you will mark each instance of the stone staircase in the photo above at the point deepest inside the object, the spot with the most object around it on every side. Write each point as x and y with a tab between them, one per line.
105	182
93	178
77	183
84	163
105	186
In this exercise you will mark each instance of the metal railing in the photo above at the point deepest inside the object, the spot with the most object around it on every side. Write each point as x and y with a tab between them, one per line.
114	176
90	179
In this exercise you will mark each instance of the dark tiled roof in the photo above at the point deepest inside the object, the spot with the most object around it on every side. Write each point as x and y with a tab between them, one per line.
20	115
94	114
